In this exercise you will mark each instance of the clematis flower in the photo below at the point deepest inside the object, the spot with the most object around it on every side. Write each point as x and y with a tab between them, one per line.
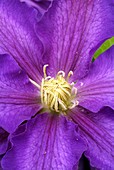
55	103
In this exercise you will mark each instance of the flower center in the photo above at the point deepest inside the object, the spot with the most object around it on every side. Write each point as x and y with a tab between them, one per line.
56	93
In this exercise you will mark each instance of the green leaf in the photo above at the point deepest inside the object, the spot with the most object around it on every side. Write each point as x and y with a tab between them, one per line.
105	46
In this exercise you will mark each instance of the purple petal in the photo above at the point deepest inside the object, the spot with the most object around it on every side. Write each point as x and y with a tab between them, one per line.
41	5
98	131
19	100
97	89
3	141
71	29
18	38
50	142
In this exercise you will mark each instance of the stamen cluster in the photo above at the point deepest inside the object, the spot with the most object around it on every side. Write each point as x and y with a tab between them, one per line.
56	93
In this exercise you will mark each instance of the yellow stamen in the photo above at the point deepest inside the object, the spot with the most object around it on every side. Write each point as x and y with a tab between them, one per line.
61	73
33	82
44	70
69	75
56	93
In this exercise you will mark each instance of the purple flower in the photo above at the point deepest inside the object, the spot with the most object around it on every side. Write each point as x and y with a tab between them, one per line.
64	109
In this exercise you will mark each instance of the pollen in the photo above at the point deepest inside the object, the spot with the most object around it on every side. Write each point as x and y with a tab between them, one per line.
57	94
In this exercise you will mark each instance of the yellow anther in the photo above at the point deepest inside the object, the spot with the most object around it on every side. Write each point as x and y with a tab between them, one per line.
48	77
56	93
61	73
44	70
69	75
